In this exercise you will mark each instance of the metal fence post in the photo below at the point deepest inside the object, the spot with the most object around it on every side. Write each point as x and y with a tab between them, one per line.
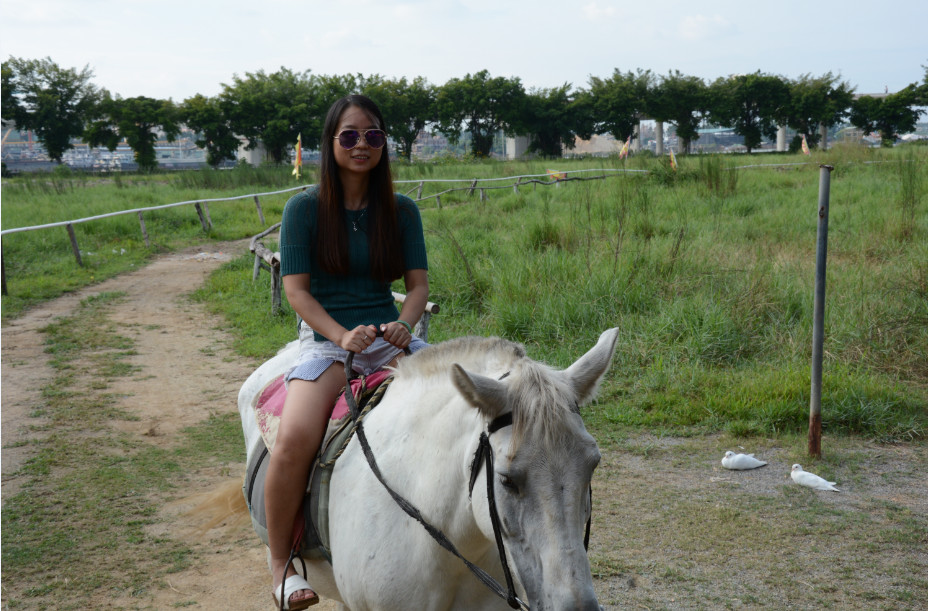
818	319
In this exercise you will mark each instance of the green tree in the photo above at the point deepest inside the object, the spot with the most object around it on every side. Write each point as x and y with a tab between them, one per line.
273	109
140	121
407	108
923	89
752	104
815	101
891	115
52	101
330	88
681	100
483	105
619	102
555	118
214	132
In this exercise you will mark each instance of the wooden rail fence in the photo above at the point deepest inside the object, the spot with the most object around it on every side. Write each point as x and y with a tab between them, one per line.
483	185
201	206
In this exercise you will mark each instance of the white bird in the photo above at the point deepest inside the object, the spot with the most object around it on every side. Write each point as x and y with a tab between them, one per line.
810	480
741	461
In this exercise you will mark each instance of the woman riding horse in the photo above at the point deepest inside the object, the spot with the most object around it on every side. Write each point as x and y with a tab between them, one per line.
342	243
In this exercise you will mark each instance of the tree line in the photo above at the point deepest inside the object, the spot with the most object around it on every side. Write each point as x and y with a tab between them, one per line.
61	104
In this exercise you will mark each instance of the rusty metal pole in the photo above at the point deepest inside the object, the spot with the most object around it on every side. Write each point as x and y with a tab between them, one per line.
818	318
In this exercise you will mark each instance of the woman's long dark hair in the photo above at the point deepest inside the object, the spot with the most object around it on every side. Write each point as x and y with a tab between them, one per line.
383	236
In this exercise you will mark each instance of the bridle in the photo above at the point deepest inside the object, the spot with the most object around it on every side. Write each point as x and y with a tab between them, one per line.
483	455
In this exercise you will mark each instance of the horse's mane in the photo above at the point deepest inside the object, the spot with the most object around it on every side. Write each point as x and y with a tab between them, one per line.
540	398
483	355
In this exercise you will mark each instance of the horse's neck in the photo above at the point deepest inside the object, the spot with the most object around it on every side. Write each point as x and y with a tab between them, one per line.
428	436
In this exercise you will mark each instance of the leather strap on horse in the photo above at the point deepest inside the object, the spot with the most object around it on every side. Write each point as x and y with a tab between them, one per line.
485	454
410	509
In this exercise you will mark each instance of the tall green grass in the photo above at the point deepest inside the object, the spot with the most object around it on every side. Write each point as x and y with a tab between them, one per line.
708	277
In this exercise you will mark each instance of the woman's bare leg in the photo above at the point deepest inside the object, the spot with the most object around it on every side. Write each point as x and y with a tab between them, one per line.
302	426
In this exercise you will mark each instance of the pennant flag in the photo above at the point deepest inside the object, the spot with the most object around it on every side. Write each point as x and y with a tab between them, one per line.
298	160
557	175
673	161
805	145
624	152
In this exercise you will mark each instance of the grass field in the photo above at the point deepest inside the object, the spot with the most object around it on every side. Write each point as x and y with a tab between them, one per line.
708	271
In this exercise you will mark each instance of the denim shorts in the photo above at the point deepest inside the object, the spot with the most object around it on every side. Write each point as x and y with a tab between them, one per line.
315	357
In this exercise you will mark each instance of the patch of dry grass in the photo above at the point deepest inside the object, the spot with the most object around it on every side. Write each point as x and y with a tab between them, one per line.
674	530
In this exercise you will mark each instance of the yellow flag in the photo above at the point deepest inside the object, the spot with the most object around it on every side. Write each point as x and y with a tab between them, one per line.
624	152
805	146
298	160
673	161
557	175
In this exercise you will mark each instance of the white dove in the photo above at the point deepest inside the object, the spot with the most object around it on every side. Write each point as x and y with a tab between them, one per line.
810	480
741	461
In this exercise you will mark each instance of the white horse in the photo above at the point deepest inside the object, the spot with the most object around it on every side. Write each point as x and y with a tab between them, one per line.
424	436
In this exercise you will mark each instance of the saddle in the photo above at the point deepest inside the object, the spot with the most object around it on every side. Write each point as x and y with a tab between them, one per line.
311	529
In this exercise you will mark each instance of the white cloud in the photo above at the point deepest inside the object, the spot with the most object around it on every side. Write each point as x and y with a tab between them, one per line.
404	11
700	27
333	39
595	12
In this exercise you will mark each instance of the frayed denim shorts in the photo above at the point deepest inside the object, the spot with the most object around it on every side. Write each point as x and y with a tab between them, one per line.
315	357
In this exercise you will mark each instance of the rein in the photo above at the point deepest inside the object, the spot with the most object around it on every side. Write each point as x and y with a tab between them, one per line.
483	450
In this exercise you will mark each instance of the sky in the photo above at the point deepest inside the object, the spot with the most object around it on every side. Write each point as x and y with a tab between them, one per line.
179	48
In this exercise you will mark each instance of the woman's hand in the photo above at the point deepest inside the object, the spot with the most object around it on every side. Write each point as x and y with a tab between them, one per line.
358	339
397	334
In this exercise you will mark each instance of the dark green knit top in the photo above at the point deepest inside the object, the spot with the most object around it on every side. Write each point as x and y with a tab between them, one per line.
356	298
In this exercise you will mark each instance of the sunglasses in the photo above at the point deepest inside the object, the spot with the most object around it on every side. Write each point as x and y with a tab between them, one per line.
350	138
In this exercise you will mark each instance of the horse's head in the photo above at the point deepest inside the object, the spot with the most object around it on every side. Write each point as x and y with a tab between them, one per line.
543	466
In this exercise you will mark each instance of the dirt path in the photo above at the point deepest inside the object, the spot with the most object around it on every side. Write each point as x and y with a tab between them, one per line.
188	372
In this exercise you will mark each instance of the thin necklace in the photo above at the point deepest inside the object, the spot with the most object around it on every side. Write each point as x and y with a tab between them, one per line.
354	222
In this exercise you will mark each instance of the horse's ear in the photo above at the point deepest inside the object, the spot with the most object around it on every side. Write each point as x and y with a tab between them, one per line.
486	394
586	374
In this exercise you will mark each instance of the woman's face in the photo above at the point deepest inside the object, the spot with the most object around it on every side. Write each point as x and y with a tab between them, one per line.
362	158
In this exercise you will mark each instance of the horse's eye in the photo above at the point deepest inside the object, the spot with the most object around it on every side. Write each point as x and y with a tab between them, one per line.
507	483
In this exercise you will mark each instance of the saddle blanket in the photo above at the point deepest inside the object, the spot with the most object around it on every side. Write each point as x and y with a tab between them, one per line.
270	403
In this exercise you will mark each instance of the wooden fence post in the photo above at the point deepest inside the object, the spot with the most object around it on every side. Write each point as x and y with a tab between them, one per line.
77	251
275	286
257	269
144	232
3	271
473	186
202	218
260	211
419	193
515	187
438	201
